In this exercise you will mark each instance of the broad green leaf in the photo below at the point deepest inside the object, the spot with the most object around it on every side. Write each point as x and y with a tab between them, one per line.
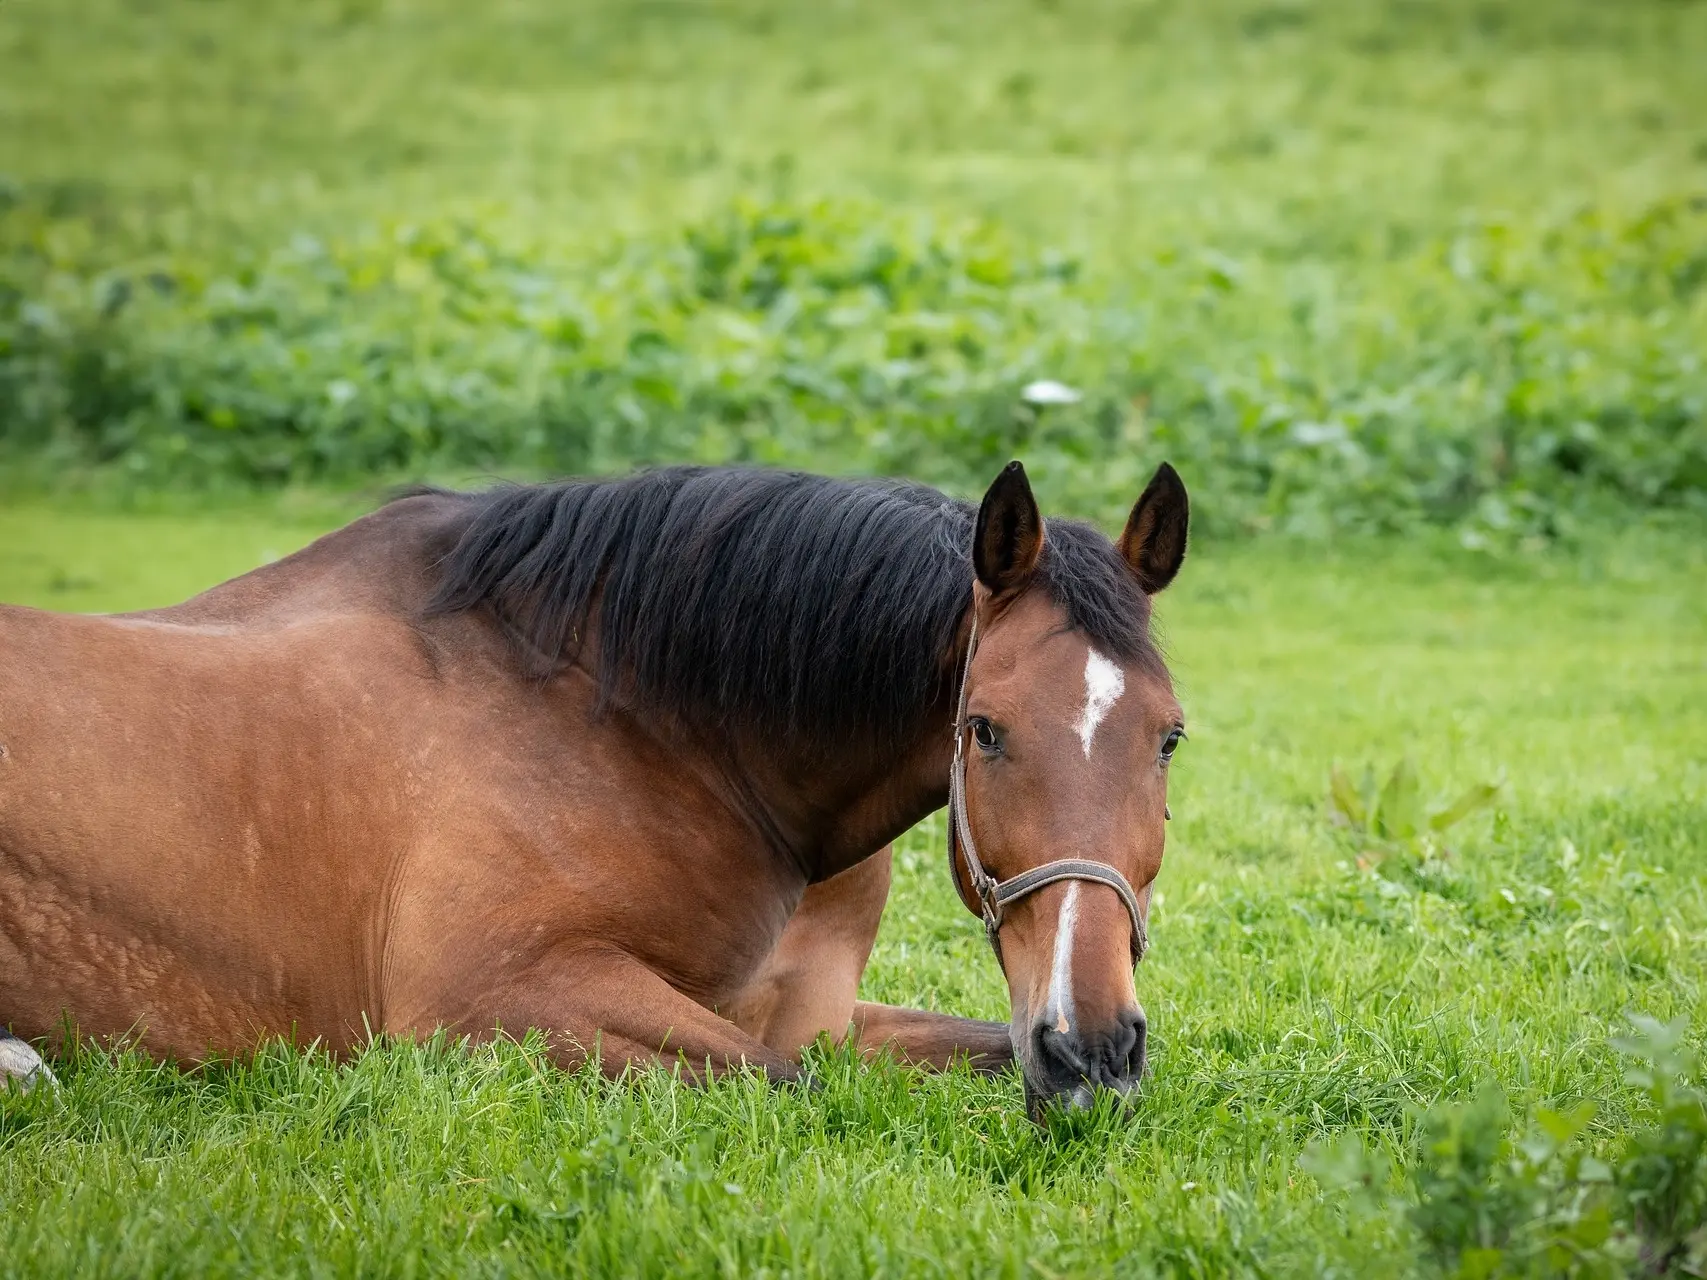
1477	797
1345	800
1397	817
1343	1164
1562	1126
1370	790
1593	1170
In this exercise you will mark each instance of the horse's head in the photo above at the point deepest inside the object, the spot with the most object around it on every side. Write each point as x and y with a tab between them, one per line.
1064	752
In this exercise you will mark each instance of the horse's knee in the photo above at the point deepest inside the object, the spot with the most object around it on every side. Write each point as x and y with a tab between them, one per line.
810	981
21	1067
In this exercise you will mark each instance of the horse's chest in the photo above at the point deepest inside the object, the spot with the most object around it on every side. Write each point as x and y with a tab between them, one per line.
707	922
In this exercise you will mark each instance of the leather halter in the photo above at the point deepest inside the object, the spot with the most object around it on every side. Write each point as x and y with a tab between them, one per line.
995	896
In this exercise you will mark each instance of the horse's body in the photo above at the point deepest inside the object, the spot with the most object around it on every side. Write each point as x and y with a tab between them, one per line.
325	800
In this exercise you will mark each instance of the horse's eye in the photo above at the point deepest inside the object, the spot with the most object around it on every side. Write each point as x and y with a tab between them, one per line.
984	734
1170	744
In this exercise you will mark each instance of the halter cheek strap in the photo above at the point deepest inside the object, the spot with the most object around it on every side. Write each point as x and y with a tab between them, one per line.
995	896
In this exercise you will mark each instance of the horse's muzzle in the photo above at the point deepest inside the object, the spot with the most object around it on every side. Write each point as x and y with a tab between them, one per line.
1069	1067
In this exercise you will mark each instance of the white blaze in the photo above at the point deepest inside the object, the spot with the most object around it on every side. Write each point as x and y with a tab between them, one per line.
1061	976
1104	683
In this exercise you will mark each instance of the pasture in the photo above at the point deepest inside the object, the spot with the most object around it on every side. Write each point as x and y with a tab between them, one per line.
1414	294
1305	983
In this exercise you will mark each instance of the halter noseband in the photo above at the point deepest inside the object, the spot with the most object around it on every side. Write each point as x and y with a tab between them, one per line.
994	896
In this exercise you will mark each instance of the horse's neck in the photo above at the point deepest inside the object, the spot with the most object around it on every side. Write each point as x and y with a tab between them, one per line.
837	808
831	808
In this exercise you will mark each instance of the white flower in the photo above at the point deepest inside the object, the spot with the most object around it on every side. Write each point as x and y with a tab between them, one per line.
1049	391
1318	433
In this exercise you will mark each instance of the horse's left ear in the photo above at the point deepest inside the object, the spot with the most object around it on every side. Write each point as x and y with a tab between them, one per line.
1154	541
1008	540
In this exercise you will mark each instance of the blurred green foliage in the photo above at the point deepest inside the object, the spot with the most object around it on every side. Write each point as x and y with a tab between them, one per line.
1350	264
1504	377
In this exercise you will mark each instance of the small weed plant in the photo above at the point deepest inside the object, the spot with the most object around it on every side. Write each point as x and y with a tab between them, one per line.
1550	1200
1389	817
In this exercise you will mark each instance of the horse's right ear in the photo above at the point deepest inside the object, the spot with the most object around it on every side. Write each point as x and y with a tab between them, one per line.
1008	541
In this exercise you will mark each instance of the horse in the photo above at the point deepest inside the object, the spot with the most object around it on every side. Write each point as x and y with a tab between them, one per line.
619	759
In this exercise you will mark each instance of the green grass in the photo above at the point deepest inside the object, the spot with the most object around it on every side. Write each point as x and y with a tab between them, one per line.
1299	127
1292	994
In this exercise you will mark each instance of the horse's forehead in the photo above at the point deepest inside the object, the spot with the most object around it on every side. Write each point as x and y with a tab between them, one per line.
1031	641
1037	648
1065	674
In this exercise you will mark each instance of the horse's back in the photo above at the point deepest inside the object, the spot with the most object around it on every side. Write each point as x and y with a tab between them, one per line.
207	811
379	565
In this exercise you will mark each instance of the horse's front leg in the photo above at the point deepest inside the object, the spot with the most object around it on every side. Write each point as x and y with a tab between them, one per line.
809	985
922	1038
602	1002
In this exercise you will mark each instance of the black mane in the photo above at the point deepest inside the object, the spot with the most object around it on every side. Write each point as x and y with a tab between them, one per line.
799	605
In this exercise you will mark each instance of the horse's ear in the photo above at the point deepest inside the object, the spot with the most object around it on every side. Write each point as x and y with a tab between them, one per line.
1008	541
1154	541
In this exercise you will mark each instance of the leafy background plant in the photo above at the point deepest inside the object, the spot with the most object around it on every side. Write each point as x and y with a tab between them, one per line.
1351	267
1506	379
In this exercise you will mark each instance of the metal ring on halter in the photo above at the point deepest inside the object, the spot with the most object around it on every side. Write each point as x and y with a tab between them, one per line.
995	896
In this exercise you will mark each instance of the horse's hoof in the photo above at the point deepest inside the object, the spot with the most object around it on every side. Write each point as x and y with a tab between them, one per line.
793	1077
808	1083
21	1067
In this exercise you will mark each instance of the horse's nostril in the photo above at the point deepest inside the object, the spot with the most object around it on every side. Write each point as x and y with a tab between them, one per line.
1136	1053
1117	1056
1061	1052
1123	1042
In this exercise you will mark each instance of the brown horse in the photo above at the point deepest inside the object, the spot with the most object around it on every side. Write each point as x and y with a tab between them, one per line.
616	759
